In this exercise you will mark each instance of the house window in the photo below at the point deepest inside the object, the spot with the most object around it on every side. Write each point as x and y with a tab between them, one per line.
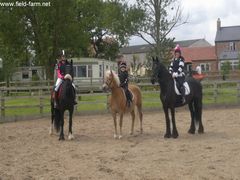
232	46
89	70
100	71
25	75
205	67
81	71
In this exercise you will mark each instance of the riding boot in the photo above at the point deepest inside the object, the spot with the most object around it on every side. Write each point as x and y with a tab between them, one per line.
129	99
183	94
55	100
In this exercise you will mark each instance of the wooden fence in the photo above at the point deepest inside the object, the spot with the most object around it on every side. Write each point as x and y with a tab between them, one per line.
215	93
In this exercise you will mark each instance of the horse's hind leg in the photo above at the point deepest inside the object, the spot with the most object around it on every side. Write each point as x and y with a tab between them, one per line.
192	112
133	121
115	124
52	119
70	133
140	118
198	110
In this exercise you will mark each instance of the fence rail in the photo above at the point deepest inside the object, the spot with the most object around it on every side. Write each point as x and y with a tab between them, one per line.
14	104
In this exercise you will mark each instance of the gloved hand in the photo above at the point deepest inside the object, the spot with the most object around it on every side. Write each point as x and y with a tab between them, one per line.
175	74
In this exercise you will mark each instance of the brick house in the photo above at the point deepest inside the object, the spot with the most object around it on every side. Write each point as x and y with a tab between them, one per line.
204	57
227	45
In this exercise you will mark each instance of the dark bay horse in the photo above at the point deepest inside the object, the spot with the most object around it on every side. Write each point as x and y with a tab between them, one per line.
117	102
170	100
65	102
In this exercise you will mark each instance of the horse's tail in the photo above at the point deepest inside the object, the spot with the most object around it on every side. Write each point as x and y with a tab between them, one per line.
57	119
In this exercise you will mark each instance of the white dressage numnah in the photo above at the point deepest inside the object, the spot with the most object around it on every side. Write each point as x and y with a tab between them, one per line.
186	86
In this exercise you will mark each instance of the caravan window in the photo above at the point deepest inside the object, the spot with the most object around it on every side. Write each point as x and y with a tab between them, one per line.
81	71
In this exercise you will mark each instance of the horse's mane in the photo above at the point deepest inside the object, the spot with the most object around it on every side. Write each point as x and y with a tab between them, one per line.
115	76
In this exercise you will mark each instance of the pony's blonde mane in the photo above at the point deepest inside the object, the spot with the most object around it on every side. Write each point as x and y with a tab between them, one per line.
115	76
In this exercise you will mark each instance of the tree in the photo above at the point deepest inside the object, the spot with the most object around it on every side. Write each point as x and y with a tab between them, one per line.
225	69
108	20
161	17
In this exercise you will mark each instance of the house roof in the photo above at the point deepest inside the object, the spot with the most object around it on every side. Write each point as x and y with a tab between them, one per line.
146	47
199	54
229	55
230	33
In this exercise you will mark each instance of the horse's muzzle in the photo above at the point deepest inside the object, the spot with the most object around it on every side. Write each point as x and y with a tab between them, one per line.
105	88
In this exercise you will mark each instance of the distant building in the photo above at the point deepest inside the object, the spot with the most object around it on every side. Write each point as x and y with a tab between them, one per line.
141	51
227	44
25	74
204	57
91	69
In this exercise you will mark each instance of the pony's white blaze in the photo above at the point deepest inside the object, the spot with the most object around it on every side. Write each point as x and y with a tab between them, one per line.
68	76
115	76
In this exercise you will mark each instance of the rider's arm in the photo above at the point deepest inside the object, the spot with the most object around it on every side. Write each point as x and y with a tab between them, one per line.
181	67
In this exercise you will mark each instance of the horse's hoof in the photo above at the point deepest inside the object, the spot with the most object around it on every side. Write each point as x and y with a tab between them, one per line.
141	131
120	137
61	138
167	135
175	135
115	136
191	131
131	133
200	131
50	132
70	137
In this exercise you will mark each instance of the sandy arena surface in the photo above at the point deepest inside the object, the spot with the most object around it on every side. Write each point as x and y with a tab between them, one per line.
28	152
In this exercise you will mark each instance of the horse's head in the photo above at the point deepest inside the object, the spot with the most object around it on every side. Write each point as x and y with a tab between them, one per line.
111	80
158	70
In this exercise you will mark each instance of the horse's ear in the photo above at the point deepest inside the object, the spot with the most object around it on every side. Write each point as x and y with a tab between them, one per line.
153	59
71	61
157	59
111	72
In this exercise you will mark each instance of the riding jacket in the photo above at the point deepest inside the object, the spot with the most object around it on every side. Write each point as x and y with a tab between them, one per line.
60	68
177	67
123	77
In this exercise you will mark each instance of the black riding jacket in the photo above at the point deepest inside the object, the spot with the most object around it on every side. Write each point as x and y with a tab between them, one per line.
177	66
123	77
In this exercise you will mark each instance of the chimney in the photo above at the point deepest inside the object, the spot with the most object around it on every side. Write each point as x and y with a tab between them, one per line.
218	24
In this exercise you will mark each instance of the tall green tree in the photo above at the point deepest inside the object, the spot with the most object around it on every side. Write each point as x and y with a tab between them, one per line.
161	17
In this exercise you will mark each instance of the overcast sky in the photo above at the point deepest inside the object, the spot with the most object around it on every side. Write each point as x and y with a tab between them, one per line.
203	15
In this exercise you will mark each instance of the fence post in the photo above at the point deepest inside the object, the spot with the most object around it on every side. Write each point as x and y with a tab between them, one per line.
215	92
40	102
2	105
238	92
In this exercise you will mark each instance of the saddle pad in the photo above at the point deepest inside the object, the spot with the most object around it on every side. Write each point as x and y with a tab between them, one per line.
186	86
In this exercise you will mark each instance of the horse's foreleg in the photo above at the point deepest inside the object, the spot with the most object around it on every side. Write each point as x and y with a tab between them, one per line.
174	130
168	131
115	124
120	125
52	120
62	125
70	133
133	120
192	112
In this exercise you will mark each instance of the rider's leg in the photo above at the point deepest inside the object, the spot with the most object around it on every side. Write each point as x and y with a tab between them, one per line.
57	85
181	80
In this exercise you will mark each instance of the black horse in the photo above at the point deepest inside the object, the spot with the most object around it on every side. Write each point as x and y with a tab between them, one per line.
65	102
170	100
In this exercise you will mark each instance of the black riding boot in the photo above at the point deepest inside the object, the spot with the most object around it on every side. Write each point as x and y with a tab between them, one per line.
183	94
128	96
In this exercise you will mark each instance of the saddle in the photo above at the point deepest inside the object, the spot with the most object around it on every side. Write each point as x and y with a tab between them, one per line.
185	85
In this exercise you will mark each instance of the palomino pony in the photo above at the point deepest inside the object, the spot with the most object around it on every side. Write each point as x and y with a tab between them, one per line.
170	100
66	102
118	102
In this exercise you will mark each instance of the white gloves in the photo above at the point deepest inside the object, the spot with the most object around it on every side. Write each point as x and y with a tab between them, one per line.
175	74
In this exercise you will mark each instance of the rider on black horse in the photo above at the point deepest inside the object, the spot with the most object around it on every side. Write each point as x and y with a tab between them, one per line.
177	70
123	76
61	68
